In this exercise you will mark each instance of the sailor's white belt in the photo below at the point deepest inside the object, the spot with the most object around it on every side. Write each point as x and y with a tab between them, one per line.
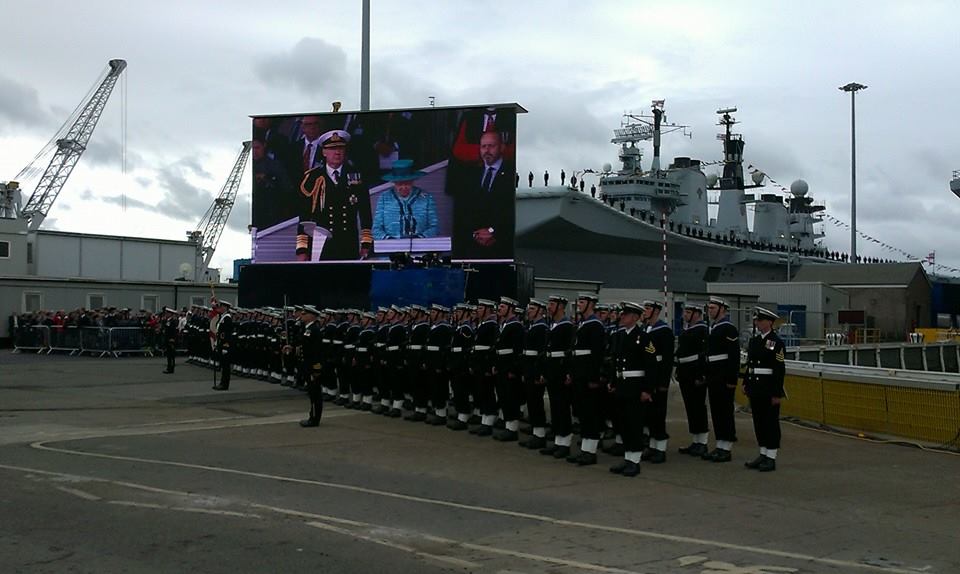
557	354
336	342
325	341
531	353
659	358
688	359
581	352
762	371
632	374
362	349
481	347
433	348
456	349
260	336
379	345
504	351
715	358
414	347
349	346
393	348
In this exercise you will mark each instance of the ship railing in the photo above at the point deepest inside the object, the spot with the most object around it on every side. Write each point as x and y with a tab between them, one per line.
932	356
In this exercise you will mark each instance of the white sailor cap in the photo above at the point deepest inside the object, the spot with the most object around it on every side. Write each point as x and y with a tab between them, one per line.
558	299
485	303
717	301
334	138
698	307
587	297
439	307
509	302
653	304
310	309
536	303
631	307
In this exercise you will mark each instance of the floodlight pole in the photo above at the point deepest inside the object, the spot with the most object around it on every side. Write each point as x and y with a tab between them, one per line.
853	88
365	58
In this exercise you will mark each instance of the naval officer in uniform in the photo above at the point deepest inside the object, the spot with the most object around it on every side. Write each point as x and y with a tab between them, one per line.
339	201
763	385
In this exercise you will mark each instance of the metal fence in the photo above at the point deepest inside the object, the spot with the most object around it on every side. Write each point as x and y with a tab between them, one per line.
98	341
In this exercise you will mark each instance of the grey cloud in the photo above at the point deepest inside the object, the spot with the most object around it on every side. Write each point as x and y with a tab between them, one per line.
143	181
129	202
106	151
20	104
312	65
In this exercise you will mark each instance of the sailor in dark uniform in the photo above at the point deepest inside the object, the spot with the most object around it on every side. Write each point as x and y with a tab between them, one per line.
396	371
363	359
339	201
555	369
763	385
659	349
534	383
507	370
313	362
585	372
170	338
225	340
690	369
631	385
723	371
458	365
417	375
438	346
482	358
382	372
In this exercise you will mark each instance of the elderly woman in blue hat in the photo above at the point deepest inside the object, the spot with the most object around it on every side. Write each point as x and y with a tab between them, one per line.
405	211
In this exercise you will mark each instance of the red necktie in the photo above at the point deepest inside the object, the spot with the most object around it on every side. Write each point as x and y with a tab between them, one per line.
307	160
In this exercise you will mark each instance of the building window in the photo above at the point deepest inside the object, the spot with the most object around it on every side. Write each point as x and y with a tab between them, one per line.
32	301
198	300
4	249
29	252
149	303
96	301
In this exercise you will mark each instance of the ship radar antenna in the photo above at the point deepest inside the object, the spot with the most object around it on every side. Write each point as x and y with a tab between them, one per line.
642	127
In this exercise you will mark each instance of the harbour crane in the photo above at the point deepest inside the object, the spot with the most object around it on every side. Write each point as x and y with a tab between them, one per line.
208	231
69	148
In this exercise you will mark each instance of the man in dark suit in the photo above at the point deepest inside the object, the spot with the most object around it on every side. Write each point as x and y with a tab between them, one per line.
339	201
483	223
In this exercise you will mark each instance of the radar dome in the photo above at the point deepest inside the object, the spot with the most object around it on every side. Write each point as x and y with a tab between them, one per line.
757	177
712	180
799	188
186	270
607	168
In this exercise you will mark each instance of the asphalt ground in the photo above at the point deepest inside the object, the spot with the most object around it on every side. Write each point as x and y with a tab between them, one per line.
107	465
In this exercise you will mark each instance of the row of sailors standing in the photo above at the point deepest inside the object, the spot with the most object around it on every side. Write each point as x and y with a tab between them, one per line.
611	369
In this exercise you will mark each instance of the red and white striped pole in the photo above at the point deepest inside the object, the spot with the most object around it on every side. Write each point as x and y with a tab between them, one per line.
663	230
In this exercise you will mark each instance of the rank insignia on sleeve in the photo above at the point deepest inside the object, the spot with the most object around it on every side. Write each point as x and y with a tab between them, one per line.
651	349
780	356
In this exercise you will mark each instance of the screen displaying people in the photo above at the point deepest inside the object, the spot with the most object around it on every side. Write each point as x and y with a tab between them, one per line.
363	186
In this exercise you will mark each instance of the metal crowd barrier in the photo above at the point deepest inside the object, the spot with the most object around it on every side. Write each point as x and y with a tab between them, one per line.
99	341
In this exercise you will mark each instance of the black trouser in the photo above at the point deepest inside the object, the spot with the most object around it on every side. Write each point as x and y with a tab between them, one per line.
485	394
655	414
170	353
225	369
463	385
629	420
509	395
364	376
419	382
343	382
315	393
535	409
588	398
766	421
560	399
397	380
695	403
721	410
439	388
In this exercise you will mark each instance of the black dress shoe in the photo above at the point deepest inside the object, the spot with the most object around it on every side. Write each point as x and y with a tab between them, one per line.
767	465
484	430
586	459
220	388
534	443
366	407
549	449
718	455
631	469
407	405
434	420
474	420
456	425
526	429
618	468
329	398
167	372
499	424
341	401
694	449
310	422
656	457
561	452
505	435
377	409
755	463
416	417
615	449
394	413
647	453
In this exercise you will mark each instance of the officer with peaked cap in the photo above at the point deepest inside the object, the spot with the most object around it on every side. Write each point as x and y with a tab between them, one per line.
631	384
763	385
690	370
225	340
313	363
339	201
534	384
723	371
556	366
659	348
170	338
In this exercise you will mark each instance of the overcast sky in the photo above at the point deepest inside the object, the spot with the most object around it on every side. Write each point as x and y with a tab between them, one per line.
197	70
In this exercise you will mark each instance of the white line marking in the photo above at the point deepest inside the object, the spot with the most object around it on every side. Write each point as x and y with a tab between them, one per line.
41	445
153	506
79	493
394	545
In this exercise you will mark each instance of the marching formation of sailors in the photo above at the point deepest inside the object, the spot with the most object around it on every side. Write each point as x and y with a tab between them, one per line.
605	373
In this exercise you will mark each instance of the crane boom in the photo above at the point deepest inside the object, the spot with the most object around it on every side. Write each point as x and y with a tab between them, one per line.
208	231
70	148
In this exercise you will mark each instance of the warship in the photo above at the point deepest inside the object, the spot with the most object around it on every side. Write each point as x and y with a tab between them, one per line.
646	227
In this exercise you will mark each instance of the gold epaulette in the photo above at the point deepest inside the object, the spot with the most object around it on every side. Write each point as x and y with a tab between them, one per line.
318	192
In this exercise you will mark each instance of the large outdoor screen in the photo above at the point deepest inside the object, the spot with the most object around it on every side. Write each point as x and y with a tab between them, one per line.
362	186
